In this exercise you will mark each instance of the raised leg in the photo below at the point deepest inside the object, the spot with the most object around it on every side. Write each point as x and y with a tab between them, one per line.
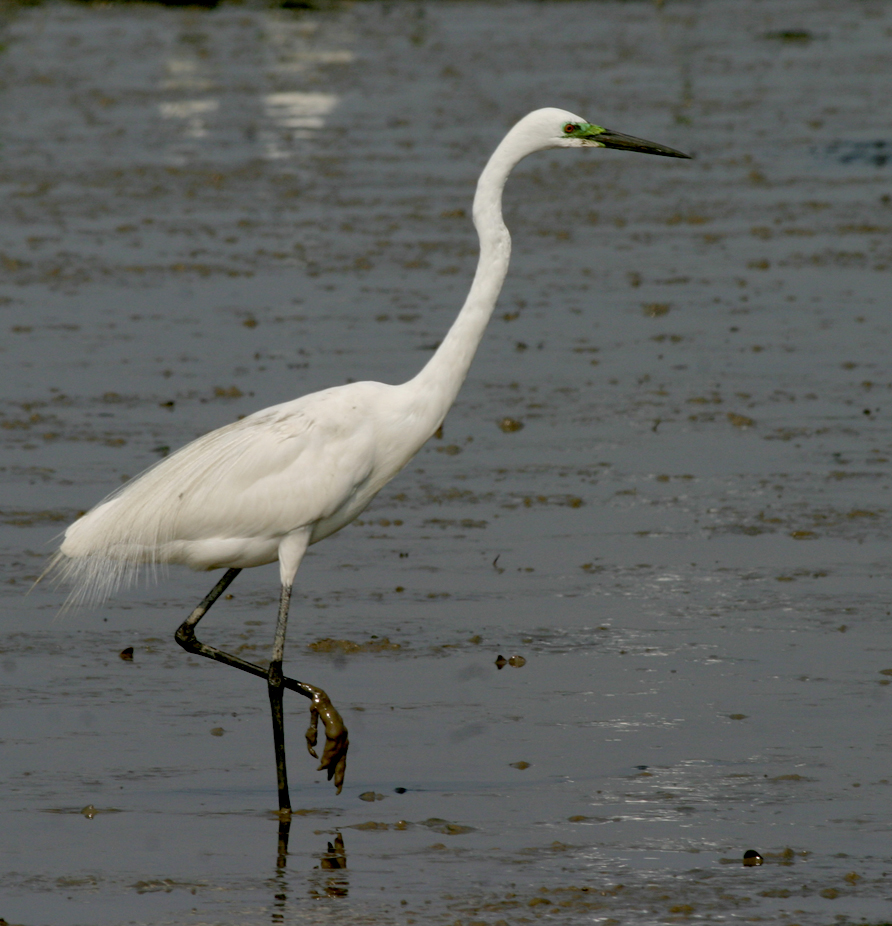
334	755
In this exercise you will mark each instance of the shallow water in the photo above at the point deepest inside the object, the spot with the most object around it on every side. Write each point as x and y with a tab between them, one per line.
208	212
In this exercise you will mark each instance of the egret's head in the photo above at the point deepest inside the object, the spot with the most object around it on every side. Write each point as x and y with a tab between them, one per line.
557	128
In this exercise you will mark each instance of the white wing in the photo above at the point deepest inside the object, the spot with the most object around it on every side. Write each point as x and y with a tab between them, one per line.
230	497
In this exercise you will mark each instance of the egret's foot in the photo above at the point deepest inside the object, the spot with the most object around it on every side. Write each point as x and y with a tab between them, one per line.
334	756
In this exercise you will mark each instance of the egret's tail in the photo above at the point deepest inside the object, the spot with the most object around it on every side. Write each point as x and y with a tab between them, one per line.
93	578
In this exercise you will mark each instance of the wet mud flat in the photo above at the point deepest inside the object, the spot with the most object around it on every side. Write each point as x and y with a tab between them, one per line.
665	484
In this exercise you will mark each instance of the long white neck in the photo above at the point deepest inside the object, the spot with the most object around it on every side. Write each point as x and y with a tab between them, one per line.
441	378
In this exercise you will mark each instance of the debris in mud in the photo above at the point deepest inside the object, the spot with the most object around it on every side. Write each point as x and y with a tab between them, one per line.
515	661
877	153
509	425
374	645
791	36
438	825
227	392
740	421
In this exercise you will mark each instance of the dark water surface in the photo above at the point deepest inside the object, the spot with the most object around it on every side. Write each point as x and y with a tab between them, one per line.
207	212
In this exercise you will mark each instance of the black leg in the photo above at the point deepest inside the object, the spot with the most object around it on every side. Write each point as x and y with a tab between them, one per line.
185	636
334	755
276	690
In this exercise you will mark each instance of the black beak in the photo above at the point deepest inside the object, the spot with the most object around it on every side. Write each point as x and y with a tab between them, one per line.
629	143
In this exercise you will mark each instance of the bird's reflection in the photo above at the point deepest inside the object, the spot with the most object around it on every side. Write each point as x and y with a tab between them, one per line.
282	849
336	857
330	879
327	879
280	880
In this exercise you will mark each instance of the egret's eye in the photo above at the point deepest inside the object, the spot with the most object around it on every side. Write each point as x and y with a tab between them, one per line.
570	128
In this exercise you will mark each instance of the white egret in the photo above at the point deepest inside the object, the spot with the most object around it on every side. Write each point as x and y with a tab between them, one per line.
264	488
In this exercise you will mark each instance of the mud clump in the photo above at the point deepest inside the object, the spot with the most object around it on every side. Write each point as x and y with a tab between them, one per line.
330	645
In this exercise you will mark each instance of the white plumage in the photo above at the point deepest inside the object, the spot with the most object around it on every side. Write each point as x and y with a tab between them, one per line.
231	497
262	489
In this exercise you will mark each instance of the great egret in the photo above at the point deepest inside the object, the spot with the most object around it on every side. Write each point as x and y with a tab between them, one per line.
264	488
